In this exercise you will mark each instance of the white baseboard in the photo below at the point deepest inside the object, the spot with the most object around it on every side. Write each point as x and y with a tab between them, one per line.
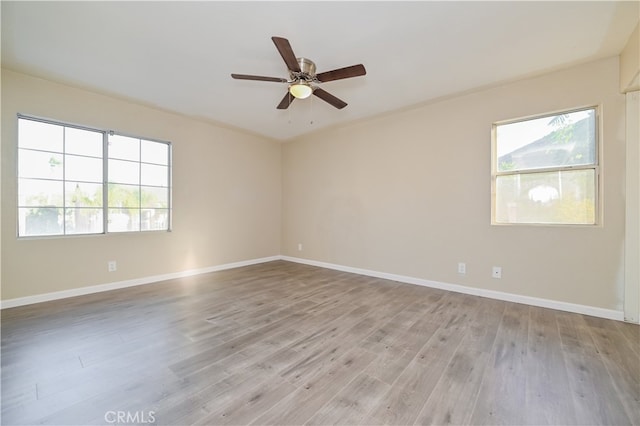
492	294
509	297
28	300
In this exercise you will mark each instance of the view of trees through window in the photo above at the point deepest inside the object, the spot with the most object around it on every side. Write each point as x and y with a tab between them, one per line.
138	185
67	186
545	169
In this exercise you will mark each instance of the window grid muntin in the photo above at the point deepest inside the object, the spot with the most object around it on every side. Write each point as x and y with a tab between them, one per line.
140	209
595	166
64	208
105	198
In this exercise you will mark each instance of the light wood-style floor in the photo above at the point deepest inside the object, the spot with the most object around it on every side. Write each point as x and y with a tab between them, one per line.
283	343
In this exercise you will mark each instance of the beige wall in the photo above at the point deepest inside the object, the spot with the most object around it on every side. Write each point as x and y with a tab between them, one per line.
409	194
227	187
632	223
630	63
406	193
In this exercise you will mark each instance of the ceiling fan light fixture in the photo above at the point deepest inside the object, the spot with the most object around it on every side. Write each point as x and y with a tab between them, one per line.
300	90
303	80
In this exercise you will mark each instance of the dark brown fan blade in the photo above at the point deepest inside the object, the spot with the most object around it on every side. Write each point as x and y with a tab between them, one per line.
328	97
346	72
286	101
258	78
283	46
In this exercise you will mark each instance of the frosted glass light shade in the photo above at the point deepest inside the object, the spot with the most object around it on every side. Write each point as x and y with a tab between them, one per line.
300	91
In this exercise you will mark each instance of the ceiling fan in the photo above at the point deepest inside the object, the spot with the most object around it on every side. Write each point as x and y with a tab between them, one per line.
303	79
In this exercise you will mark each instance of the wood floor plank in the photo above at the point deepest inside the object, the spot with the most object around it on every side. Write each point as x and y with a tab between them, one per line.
219	394
448	403
505	373
549	397
389	363
189	403
632	333
396	351
352	403
316	359
188	412
215	354
403	402
286	343
134	392
312	395
591	385
483	328
622	363
413	387
462	378
244	408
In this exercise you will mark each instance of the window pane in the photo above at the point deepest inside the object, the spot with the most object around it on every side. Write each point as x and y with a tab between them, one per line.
123	220
124	196
60	181
80	194
83	221
155	152
40	221
154	219
37	192
38	135
553	141
138	176
85	169
124	148
563	197
37	164
124	171
154	197
154	175
82	142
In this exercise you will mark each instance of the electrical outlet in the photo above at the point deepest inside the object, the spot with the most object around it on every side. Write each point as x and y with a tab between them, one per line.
299	246
462	268
496	272
112	266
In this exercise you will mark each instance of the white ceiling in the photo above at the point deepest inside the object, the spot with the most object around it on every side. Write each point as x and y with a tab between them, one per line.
179	55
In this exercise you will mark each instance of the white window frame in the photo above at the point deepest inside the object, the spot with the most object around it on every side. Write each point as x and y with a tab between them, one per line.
596	166
139	184
105	180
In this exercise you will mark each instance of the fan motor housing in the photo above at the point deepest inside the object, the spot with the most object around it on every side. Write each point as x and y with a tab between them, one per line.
307	66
